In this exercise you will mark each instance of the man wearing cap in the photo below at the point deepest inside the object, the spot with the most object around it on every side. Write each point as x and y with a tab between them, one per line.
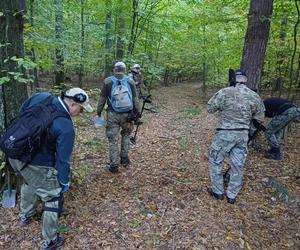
118	119
282	113
47	176
237	106
137	77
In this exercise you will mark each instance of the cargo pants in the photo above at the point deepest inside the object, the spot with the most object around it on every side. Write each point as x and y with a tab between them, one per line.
115	122
40	182
232	144
274	129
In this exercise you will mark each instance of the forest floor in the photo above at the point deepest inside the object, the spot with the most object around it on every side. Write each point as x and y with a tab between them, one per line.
160	201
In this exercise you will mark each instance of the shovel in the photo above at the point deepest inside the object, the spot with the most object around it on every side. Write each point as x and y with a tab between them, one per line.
9	195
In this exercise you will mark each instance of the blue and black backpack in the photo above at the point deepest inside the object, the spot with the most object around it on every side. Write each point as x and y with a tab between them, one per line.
27	133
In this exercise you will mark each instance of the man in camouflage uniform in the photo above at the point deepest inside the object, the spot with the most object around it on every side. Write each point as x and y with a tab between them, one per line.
136	76
237	106
117	120
282	113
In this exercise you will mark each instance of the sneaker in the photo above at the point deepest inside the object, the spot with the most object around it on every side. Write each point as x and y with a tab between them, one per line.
24	221
113	168
53	245
125	161
215	195
231	200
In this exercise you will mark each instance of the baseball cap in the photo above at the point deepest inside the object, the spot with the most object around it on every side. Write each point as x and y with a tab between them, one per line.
240	76
120	67
136	66
79	96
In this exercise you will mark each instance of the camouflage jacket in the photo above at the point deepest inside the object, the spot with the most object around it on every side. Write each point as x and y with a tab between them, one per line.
236	107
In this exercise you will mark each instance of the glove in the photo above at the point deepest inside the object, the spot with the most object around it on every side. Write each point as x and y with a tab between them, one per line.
65	187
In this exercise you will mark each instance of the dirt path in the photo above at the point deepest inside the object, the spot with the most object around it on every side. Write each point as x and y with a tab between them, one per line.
160	201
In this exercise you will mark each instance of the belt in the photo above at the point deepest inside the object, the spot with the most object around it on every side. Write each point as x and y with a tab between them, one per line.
232	129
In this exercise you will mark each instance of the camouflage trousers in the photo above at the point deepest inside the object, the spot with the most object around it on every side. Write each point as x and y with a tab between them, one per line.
115	122
274	129
40	182
233	144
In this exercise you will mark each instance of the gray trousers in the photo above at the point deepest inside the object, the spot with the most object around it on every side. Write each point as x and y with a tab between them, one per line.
232	144
274	130
40	182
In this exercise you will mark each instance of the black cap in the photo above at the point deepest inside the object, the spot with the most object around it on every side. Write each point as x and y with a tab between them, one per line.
240	72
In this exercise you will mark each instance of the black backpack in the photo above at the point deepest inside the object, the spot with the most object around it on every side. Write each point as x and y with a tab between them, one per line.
28	131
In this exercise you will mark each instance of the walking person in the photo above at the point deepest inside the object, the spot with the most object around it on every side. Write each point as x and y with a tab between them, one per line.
119	92
136	75
236	107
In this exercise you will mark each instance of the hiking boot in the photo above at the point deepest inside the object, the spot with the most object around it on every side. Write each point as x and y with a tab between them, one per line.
231	200
113	168
274	154
53	245
125	161
215	195
24	221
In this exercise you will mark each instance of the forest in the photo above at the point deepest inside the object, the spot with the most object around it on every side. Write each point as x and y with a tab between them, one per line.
185	49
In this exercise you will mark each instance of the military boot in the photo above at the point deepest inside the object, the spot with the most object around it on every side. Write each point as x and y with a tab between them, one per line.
53	245
125	161
274	154
113	168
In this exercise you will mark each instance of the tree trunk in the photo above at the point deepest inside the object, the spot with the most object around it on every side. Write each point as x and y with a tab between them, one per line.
12	92
33	72
295	49
133	26
59	56
256	40
120	32
81	66
108	40
278	82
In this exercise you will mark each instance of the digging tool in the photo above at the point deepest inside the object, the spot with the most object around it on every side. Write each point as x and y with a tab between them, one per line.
146	99
9	195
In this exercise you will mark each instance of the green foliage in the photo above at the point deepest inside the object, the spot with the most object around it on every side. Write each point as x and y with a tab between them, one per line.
80	174
190	112
135	223
178	39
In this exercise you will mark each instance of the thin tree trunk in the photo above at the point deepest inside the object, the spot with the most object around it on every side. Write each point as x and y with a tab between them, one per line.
295	48
108	40
256	40
59	56
13	92
34	72
133	26
81	66
121	32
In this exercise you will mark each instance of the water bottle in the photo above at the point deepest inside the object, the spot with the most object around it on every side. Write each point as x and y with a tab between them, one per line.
99	122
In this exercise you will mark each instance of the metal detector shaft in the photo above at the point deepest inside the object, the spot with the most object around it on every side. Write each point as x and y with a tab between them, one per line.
133	139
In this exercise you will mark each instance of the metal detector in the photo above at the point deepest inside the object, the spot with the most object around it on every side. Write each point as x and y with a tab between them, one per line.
146	99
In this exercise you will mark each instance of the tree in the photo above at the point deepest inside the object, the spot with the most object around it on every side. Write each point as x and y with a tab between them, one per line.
256	40
59	55
12	75
120	31
108	40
